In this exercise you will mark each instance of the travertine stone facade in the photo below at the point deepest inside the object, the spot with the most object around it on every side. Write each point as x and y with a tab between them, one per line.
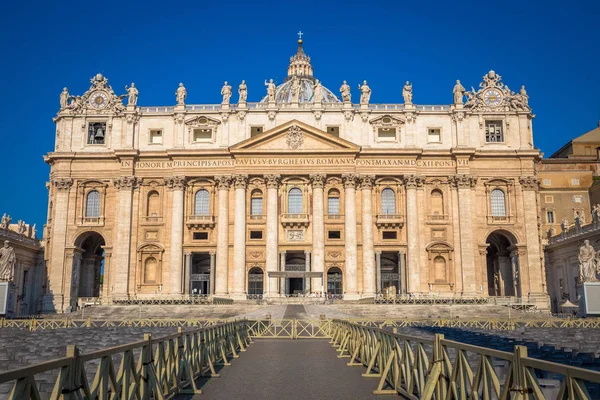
296	194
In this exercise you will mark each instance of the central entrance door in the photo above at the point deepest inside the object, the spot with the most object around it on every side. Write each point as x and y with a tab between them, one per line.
296	285
200	274
295	261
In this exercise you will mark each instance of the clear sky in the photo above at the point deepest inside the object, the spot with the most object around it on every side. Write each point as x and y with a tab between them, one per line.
553	47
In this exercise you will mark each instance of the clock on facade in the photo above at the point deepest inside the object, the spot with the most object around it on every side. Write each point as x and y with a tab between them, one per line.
492	97
98	99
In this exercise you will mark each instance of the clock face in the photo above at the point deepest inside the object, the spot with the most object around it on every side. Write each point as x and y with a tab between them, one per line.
492	97
98	99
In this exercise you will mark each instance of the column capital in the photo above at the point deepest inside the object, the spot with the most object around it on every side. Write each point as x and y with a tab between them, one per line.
212	252
413	181
529	183
282	252
366	181
240	181
307	252
62	184
272	180
317	180
463	181
349	181
187	254
126	182
176	182
377	252
223	181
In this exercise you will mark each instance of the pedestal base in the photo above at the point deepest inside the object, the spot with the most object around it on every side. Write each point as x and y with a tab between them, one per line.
588	296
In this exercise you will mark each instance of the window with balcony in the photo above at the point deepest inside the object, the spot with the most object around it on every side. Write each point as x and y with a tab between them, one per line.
498	203
388	201
92	204
494	132
333	202
295	201
201	202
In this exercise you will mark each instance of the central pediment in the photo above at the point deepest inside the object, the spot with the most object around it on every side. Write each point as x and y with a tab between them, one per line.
294	137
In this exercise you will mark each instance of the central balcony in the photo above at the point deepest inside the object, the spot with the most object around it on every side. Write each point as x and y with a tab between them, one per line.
389	220
293	220
200	221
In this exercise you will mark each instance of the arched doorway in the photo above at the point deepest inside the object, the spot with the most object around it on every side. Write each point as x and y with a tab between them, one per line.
200	274
390	276
255	282
88	266
334	281
502	265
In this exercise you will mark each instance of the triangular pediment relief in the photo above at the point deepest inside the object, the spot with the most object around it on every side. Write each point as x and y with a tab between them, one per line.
386	120
294	137
201	120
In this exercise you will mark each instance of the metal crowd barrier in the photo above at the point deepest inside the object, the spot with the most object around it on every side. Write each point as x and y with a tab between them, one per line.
420	368
154	368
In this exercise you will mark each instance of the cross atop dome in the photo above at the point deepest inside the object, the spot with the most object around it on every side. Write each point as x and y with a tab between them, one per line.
300	63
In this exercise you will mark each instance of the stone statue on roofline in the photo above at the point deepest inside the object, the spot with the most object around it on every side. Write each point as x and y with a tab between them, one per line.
564	225
317	92
407	93
64	98
596	214
8	260
181	94
271	89
295	89
459	92
132	94
226	93
365	93
345	91
243	92
587	263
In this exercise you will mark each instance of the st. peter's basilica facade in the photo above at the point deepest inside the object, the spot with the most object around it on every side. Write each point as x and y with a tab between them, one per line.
303	192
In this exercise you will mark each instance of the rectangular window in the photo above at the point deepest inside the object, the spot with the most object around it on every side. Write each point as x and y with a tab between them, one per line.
334	234
96	132
550	217
333	206
493	132
202	135
334	130
547	182
389	235
256	206
575	182
578	198
549	199
434	135
256	235
256	130
200	235
156	136
386	134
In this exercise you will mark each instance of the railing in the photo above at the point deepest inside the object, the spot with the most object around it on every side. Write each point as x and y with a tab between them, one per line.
496	219
420	368
152	220
290	329
151	368
438	218
294	219
389	219
334	217
200	220
165	300
91	221
573	231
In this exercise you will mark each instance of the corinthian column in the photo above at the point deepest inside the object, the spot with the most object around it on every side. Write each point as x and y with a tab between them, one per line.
412	232
465	183
221	273
535	283
125	185
239	237
369	272
272	232
177	185
318	262
351	277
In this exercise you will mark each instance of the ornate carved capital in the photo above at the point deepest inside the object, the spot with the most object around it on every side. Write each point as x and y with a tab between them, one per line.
413	181
240	181
463	181
132	118
176	182
125	182
529	182
179	118
317	180
62	183
349	181
367	182
272	181
223	182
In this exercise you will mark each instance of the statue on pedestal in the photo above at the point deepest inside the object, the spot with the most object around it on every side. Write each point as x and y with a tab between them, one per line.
365	93
459	92
596	214
64	98
33	231
564	225
243	92
181	94
407	93
270	90
21	227
7	262
587	263
5	221
317	92
133	93
578	221
226	93
523	96
345	91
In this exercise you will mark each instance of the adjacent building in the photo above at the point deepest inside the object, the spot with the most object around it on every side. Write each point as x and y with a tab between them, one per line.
299	192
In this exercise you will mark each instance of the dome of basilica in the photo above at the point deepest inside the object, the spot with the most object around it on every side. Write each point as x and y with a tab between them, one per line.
300	69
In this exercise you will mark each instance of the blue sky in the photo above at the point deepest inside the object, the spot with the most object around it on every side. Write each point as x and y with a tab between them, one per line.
552	47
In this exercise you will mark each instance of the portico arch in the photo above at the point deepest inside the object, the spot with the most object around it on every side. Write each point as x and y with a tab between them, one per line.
502	264
335	284
87	266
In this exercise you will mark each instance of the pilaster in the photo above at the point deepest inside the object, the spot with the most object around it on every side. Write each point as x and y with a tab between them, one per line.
177	185
369	272
529	187
411	183
125	185
222	263
318	183
272	236
239	238
351	278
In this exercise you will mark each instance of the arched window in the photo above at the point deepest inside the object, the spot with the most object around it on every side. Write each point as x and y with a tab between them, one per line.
388	201
333	202
153	206
255	281
498	203
334	281
201	200
439	268
295	201
150	270
437	202
256	203
92	204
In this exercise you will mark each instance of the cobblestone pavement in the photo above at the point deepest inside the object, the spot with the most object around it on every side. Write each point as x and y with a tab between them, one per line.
289	369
